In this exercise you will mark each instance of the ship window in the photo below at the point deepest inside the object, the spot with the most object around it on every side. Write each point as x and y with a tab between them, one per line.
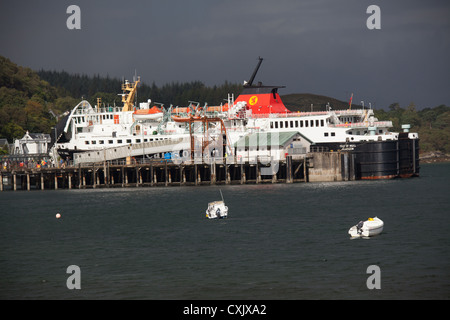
296	123
128	140
292	124
110	141
306	123
271	125
281	124
102	141
94	142
138	140
321	123
119	141
312	123
333	134
326	134
301	123
286	124
317	123
276	125
86	142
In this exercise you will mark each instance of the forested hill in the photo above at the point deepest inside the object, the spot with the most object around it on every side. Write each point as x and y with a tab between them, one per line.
175	93
178	94
29	101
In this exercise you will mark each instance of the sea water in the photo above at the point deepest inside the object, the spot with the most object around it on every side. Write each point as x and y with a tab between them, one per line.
280	241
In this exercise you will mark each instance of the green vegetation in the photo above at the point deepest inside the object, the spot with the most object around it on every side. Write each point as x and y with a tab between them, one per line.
24	101
30	101
174	93
432	124
302	102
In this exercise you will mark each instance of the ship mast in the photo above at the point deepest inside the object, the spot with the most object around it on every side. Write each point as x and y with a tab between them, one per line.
129	92
252	78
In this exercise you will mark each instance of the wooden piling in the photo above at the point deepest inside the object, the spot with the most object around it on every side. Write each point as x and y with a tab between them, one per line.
159	173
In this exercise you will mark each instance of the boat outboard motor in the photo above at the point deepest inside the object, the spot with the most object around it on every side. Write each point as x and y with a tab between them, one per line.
359	226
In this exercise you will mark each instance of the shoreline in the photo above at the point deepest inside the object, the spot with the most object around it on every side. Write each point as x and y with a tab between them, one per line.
434	157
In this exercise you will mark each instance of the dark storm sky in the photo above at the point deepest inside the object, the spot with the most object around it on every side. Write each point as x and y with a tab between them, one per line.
310	46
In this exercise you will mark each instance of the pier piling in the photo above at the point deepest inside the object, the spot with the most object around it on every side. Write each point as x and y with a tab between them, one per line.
154	173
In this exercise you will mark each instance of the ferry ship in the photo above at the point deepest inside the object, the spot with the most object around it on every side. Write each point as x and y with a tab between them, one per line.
377	153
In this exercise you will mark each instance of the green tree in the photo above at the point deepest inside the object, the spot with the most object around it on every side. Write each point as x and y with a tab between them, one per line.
12	131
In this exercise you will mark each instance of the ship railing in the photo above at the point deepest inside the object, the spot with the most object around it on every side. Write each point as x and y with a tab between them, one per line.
357	112
286	115
379	124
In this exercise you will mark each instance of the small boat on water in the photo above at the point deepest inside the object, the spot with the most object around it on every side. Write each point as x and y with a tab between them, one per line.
370	227
217	209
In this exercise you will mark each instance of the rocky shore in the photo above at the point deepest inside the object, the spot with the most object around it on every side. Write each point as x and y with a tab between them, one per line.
433	157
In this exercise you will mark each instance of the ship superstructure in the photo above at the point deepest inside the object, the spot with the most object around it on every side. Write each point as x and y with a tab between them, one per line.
216	130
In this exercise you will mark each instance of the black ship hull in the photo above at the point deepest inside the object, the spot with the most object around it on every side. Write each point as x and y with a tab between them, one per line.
372	160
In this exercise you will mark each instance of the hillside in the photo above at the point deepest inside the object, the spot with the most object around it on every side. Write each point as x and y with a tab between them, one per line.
24	101
303	102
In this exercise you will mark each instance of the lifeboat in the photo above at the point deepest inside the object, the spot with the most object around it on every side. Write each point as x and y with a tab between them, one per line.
186	119
223	108
153	113
370	227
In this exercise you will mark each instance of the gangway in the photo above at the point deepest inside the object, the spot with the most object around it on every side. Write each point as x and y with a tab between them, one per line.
133	150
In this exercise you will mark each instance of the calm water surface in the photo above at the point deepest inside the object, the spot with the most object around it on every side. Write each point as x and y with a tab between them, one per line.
279	242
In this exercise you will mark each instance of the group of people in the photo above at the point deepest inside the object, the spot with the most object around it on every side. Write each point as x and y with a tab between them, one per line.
9	164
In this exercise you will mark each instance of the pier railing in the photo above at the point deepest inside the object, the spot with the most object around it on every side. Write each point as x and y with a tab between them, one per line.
9	166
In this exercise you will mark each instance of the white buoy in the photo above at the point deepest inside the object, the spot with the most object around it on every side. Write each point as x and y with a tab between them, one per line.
58	216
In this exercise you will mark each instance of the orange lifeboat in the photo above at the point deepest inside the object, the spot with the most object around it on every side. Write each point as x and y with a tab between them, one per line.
153	113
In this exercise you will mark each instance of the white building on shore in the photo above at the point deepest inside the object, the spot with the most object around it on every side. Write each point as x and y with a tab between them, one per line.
32	144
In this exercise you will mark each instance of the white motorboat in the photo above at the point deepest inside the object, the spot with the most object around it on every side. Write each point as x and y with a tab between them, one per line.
370	227
217	209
